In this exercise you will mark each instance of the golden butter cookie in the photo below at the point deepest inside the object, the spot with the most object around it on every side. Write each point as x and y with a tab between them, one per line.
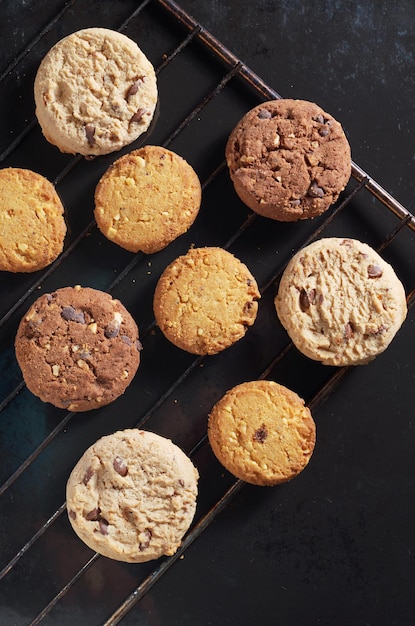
78	348
95	92
32	224
262	432
340	302
132	496
205	300
288	159
146	199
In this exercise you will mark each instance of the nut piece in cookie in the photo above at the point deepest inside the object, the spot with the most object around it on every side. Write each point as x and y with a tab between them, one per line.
288	159
78	348
132	496
32	223
95	92
262	432
146	199
205	300
340	302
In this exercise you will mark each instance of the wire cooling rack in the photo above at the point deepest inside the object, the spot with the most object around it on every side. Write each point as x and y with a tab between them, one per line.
46	573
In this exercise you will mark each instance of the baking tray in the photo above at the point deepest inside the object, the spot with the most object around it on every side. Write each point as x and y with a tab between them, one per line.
47	575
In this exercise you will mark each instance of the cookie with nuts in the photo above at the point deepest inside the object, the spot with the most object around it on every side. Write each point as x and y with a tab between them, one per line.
340	302
32	223
288	159
132	496
78	348
206	300
95	92
262	432
146	199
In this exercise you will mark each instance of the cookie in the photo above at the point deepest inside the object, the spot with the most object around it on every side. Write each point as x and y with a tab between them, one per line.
32	224
95	92
288	159
262	432
340	302
205	300
77	348
132	496
146	199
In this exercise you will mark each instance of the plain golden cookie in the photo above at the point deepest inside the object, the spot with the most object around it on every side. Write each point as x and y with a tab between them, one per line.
95	92
146	199
32	224
206	300
340	302
132	496
288	159
262	432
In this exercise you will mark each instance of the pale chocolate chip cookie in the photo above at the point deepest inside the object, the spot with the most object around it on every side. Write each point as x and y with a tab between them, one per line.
78	348
32	224
262	432
132	496
95	92
340	302
288	159
206	300
146	199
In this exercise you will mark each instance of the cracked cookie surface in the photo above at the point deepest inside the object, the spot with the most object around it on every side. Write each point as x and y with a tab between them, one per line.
262	432
205	300
95	92
78	348
32	224
288	159
340	302
146	199
132	496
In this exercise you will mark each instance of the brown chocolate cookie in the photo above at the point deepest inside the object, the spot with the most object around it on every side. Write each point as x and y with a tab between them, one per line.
288	159
77	348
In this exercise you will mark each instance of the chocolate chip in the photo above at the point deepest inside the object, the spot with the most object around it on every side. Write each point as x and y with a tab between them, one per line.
90	132
72	315
112	329
324	131
261	434
264	114
374	271
132	90
139	345
315	191
126	339
348	330
88	475
94	515
138	115
33	329
295	202
248	306
103	526
120	466
319	118
146	536
304	300
312	296
72	514
181	482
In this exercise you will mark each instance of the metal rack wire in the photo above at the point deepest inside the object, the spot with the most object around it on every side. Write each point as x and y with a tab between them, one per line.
232	75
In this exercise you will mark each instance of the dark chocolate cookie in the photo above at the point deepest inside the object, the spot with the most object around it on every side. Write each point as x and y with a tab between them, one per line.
288	159
77	348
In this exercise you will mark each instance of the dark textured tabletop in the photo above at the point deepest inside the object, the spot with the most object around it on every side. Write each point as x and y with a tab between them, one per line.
337	544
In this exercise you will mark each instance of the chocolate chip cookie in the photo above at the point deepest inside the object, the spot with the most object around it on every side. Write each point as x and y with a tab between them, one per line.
95	92
78	348
205	300
288	159
340	302
146	199
262	432
132	496
32	224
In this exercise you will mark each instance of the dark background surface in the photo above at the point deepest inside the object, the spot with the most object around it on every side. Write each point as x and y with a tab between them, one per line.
335	546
